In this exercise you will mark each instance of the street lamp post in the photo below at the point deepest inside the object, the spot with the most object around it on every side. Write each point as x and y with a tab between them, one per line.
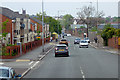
97	23
42	27
58	21
97	15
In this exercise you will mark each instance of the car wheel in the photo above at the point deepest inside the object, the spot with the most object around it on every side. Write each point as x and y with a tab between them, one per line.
79	46
67	55
55	55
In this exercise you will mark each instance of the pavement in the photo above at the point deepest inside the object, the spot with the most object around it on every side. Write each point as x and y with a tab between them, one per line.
106	48
31	55
25	62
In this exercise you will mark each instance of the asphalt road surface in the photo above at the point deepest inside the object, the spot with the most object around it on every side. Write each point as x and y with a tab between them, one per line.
82	63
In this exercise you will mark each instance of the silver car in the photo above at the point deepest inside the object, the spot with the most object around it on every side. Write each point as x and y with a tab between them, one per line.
7	73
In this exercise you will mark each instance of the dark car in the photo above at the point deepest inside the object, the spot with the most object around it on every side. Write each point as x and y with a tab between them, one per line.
77	41
63	41
61	49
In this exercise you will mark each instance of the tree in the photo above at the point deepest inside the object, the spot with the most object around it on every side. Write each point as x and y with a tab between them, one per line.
88	14
117	31
107	33
54	25
67	20
82	26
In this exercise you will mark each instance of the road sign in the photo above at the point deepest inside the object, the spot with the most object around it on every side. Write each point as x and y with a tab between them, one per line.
119	41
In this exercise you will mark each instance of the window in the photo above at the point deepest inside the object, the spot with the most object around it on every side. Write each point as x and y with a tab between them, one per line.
35	26
17	32
4	73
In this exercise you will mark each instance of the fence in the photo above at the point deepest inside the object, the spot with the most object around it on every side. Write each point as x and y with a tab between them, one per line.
14	51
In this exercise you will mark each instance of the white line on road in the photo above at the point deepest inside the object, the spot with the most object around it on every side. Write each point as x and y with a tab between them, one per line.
83	76
31	62
35	63
1	63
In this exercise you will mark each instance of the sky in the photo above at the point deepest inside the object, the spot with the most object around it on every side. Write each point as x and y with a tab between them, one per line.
51	7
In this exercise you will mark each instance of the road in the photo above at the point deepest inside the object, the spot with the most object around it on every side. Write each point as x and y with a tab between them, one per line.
82	63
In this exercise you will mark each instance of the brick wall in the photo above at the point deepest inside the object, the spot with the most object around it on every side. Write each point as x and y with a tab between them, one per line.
25	48
8	28
113	42
9	24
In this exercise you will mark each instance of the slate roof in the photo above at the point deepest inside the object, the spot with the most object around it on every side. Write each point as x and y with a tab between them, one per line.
36	20
101	26
11	14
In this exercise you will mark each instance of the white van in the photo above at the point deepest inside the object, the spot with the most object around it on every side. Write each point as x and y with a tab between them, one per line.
68	35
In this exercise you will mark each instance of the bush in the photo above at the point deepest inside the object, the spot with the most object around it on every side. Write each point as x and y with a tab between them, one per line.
48	37
117	32
4	50
5	54
107	33
14	53
11	44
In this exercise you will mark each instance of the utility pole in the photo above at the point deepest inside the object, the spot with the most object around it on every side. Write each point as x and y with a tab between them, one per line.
42	27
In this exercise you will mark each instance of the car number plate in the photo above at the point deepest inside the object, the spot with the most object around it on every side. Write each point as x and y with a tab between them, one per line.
61	50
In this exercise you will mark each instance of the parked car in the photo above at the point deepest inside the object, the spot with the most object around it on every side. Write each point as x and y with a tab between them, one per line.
83	43
7	73
63	41
65	34
61	49
37	37
77	41
69	35
87	39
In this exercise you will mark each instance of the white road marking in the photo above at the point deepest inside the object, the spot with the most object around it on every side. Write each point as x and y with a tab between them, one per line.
35	63
83	76
1	63
82	72
112	51
31	62
26	72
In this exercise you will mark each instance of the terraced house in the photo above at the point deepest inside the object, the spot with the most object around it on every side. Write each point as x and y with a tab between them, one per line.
20	27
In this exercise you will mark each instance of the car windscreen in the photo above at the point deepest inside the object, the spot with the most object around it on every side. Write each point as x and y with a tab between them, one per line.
83	41
86	38
61	47
77	39
4	73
